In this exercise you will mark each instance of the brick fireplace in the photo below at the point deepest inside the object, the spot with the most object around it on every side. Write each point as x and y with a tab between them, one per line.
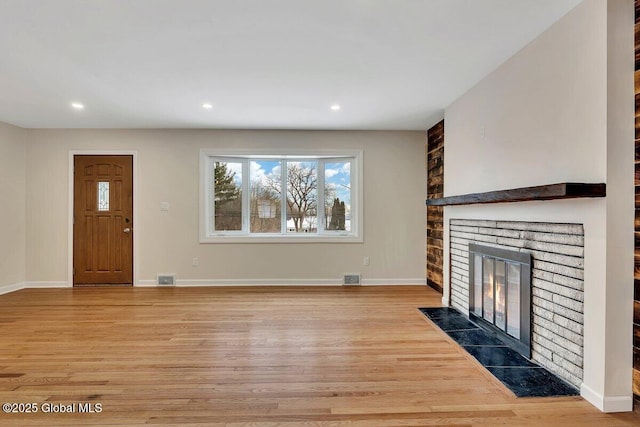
557	289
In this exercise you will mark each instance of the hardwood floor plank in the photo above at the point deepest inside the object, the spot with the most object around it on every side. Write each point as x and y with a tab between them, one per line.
253	356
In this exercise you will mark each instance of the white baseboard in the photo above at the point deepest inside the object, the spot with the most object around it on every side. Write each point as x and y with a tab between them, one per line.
606	403
394	282
280	282
145	284
243	282
5	289
49	284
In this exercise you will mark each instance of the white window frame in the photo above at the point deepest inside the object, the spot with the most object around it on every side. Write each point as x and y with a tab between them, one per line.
208	235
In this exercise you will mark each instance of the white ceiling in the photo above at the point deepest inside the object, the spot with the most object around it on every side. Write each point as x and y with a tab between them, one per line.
263	64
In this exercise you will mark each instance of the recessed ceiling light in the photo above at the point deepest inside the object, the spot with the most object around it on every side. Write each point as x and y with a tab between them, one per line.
335	107
77	106
207	106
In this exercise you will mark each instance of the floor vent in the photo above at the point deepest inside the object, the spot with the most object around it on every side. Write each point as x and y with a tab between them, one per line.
167	279
352	279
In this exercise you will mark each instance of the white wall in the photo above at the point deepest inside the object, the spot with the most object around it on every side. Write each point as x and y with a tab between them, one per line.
394	220
620	195
13	150
561	110
13	164
544	113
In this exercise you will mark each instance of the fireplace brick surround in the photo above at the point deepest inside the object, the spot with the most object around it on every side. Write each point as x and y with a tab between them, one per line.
557	284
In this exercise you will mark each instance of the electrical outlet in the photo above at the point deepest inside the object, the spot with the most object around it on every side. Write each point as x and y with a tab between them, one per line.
195	262
366	260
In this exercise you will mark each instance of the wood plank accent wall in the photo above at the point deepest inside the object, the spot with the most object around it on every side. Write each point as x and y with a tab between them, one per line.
435	184
636	293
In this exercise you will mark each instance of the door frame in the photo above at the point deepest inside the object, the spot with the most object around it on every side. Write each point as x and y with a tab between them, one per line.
72	154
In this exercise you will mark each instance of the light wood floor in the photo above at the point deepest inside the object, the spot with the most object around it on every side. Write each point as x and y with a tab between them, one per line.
327	356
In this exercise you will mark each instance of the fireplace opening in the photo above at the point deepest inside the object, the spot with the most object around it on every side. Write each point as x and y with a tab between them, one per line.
500	294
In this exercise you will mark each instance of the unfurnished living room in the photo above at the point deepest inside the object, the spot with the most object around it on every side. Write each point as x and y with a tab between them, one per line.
320	213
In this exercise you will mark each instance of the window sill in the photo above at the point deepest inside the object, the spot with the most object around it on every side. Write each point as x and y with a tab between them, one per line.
305	238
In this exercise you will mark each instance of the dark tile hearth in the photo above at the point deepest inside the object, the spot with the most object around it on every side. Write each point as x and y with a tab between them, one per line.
440	312
490	356
453	323
474	337
522	376
527	382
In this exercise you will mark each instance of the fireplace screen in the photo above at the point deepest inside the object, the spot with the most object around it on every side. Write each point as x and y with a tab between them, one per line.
500	293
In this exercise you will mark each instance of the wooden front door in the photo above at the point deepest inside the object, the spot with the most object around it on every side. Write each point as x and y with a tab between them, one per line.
103	220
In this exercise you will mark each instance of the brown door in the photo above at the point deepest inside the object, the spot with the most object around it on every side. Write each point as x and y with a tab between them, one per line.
102	222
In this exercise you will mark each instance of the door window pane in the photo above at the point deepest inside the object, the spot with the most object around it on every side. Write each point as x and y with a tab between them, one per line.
227	185
337	196
103	195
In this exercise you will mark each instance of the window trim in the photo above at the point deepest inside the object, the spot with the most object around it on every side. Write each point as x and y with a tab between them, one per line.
357	199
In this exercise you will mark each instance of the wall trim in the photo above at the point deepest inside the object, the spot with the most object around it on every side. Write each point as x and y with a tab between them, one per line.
281	282
136	232
5	289
244	282
46	284
394	282
606	403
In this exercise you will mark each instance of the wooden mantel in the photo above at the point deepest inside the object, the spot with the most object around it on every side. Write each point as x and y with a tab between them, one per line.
564	190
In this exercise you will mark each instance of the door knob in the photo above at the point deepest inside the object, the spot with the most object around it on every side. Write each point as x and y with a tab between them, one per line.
127	230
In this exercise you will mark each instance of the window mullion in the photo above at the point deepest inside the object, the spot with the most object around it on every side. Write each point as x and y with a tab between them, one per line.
246	205
320	197
283	191
354	181
210	195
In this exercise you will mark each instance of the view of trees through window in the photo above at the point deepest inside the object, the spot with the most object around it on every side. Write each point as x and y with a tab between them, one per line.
302	196
337	195
228	196
266	191
266	197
